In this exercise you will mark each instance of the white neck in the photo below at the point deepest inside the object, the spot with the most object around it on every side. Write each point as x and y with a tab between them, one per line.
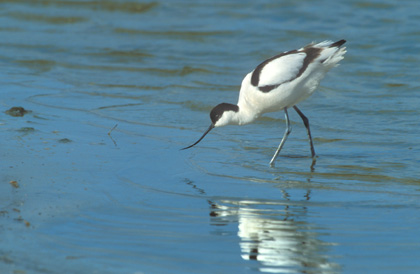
246	114
247	111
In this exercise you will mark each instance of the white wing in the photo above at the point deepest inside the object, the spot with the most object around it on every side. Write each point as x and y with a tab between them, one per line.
278	69
281	69
290	65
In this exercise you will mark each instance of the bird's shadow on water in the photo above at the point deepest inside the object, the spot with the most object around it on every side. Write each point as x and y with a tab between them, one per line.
276	233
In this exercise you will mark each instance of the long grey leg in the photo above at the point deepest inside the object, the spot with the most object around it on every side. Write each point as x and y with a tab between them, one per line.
286	133
306	123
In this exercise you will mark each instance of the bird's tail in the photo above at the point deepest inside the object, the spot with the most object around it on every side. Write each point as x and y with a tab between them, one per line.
332	52
337	44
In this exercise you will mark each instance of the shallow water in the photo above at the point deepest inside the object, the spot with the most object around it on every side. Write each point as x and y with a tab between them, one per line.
92	198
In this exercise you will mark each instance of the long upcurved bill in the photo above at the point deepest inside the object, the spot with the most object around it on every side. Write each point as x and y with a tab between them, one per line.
205	133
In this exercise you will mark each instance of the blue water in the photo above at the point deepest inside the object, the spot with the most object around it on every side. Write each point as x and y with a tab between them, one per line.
91	198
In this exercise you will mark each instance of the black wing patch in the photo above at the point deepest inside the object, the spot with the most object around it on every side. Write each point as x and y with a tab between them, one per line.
337	44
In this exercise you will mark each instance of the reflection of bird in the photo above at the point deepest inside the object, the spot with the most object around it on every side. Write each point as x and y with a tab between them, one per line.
274	233
282	245
279	83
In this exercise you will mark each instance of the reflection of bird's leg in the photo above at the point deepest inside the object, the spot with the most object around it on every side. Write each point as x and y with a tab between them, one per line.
286	133
308	195
286	195
313	164
306	123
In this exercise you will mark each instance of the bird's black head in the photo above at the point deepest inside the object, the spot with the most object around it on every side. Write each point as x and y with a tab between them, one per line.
217	112
218	119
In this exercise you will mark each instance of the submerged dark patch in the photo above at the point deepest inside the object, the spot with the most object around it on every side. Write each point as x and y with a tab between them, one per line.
17	111
218	110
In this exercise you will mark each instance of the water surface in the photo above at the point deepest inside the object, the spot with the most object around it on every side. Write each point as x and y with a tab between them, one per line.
94	198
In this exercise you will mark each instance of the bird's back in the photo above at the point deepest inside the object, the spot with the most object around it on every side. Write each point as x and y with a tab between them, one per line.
289	78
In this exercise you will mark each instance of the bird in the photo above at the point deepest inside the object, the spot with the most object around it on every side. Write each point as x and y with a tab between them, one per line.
279	84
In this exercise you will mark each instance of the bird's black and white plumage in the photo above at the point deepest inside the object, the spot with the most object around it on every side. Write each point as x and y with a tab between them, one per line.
280	83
